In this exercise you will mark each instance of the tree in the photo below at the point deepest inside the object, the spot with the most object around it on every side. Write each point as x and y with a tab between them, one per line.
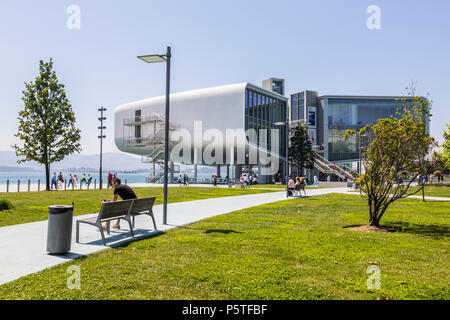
300	149
395	157
47	122
445	154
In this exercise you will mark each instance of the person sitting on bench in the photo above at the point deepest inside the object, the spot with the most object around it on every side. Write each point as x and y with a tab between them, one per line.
123	191
300	185
291	186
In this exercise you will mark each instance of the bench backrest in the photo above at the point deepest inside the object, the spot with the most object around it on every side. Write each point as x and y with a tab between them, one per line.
114	209
142	204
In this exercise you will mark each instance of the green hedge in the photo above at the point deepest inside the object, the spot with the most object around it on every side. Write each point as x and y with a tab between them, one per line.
5	205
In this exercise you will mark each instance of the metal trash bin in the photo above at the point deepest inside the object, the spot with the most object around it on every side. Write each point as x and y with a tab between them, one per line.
59	232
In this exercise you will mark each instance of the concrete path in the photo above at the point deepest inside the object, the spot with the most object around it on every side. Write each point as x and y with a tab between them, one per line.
23	247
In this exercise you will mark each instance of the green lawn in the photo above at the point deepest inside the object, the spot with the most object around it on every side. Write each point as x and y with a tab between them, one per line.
430	191
33	206
434	191
296	249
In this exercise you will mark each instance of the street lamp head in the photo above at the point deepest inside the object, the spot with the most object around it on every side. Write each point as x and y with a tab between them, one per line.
153	58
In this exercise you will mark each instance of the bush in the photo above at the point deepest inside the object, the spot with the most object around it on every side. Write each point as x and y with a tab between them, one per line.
5	205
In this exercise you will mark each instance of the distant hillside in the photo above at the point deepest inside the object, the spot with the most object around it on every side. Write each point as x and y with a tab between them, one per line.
114	161
16	169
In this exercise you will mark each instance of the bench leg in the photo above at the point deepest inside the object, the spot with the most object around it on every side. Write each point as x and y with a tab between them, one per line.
78	232
131	227
103	235
153	218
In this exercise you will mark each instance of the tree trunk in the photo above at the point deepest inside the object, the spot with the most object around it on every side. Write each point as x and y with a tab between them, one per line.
47	177
375	222
374	213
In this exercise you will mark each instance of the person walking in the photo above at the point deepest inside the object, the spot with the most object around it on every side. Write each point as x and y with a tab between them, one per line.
75	180
89	181
54	181
180	180
83	179
60	180
70	180
109	179
316	181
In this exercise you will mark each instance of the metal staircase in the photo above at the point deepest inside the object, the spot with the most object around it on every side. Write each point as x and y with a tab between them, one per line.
153	126
327	167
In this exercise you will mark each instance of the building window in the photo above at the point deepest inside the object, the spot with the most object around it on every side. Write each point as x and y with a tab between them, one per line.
137	127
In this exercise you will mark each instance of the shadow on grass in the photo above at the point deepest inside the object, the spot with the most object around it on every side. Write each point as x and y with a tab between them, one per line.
224	231
430	230
221	231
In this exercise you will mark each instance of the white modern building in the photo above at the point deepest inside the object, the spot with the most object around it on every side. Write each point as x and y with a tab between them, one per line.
210	117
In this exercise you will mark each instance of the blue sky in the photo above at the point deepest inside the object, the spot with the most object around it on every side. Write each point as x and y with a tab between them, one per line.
319	45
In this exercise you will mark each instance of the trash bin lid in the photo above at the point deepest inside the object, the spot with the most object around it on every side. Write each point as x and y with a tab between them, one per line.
56	209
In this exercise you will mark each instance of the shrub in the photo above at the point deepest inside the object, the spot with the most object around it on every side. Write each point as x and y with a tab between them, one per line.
5	204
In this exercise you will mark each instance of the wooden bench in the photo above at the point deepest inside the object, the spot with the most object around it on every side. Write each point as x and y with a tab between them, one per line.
125	209
142	206
299	187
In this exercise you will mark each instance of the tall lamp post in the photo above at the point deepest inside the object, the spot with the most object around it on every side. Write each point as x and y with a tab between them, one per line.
287	149
101	137
154	58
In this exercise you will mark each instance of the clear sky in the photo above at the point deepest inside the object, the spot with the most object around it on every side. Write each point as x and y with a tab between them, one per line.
319	45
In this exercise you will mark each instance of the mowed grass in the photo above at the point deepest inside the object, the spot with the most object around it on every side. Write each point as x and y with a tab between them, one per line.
33	206
295	249
430	191
434	191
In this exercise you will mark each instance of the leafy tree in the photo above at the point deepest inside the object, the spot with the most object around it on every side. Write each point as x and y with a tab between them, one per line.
47	122
445	154
395	157
300	149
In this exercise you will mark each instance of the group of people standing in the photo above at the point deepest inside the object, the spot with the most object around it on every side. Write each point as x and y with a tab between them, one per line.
59	182
111	177
248	180
183	179
429	178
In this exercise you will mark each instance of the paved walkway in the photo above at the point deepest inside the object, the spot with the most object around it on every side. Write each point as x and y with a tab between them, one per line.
23	247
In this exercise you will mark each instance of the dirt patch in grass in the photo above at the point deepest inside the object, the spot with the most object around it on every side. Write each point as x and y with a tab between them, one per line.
368	228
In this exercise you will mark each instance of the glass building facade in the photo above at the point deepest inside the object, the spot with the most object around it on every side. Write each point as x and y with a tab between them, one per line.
354	113
297	106
263	111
